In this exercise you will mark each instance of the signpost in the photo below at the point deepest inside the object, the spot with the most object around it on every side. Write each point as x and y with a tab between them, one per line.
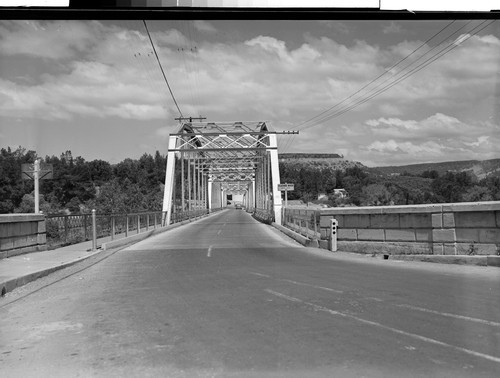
36	172
286	187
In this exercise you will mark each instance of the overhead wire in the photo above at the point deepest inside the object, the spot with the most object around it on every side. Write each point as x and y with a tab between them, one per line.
161	68
386	71
149	70
193	56
138	56
406	75
181	49
382	74
400	76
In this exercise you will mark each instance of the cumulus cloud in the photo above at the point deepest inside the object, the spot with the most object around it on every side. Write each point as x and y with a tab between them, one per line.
108	70
436	138
51	39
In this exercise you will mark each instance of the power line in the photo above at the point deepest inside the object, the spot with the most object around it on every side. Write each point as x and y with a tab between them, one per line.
161	68
402	75
381	75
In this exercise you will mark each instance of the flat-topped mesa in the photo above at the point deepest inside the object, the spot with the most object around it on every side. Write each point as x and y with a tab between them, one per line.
286	156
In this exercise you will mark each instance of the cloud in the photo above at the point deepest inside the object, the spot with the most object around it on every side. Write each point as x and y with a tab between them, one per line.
107	70
392	28
51	39
204	26
437	138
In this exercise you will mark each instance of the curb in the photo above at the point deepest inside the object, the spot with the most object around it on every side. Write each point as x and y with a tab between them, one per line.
14	283
306	242
443	259
489	260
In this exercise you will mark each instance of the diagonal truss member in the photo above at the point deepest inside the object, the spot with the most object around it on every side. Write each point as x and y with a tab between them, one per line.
208	161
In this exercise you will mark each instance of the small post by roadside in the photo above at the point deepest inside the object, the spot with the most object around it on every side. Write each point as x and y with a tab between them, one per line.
333	235
36	178
94	231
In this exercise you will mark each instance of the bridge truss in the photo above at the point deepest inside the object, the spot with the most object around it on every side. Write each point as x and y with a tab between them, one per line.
208	161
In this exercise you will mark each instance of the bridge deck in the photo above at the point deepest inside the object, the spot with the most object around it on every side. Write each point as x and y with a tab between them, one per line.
227	295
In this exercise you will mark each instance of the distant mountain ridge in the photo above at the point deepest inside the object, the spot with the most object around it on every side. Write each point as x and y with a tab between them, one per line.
478	168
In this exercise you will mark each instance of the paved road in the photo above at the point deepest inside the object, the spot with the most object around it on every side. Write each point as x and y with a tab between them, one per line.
227	296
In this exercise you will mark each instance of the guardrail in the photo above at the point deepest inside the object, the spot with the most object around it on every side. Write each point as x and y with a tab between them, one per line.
303	222
65	230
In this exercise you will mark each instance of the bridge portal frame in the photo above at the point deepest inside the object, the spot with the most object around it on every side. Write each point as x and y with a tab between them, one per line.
229	157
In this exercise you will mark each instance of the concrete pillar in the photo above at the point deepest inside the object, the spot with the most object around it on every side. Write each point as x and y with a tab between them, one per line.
210	185
169	181
275	174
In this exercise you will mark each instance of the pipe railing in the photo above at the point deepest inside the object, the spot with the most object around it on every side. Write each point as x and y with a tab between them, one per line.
64	230
303	222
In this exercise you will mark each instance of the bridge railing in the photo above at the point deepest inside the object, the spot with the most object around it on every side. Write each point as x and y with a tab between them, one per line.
75	228
64	230
302	221
264	215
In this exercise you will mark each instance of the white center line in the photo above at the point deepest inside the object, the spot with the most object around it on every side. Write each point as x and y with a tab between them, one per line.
462	317
299	283
379	325
416	308
260	274
313	286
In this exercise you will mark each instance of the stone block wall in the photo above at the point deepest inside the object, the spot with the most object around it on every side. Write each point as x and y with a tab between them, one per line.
442	229
21	233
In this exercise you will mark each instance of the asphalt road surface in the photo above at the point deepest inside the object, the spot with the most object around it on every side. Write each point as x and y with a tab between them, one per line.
228	296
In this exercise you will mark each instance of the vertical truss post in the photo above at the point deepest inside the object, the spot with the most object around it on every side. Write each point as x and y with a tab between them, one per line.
210	188
275	172
189	182
195	184
169	181
183	179
198	184
269	188
252	194
204	188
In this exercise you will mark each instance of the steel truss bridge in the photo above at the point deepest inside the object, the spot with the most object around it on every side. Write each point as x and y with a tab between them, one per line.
207	161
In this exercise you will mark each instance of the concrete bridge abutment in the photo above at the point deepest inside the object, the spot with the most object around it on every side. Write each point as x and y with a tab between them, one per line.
437	229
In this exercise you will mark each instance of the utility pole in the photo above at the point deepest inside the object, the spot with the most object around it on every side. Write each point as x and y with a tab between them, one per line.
36	172
36	177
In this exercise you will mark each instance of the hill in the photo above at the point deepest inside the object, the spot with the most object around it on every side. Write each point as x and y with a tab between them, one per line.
476	168
318	161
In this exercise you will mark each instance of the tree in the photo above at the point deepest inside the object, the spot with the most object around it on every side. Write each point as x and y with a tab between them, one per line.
27	205
477	193
111	198
376	195
451	186
432	174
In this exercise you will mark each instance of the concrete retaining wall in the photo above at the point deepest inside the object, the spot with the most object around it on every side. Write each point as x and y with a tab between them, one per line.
21	233
439	229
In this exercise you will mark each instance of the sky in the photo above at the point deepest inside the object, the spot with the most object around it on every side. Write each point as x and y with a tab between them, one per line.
95	87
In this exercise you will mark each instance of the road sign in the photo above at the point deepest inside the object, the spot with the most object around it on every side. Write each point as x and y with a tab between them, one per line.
45	172
285	187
